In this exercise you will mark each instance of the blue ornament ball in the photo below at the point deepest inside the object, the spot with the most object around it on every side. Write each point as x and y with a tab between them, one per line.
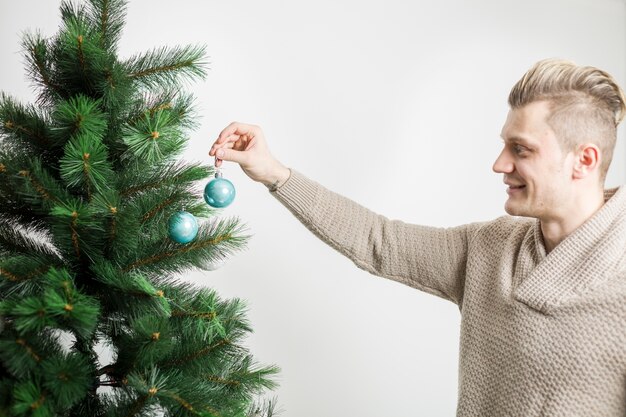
182	227
219	192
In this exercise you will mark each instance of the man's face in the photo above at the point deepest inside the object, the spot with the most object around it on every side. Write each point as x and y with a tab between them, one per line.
537	171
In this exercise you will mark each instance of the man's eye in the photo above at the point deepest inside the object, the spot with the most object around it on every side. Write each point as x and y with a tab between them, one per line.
519	149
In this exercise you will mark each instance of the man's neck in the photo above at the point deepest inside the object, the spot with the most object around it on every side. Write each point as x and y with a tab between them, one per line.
555	230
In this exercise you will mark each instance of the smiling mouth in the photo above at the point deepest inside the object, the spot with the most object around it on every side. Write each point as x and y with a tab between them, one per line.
514	189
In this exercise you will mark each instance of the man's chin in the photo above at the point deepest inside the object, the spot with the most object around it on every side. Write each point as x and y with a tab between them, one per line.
513	210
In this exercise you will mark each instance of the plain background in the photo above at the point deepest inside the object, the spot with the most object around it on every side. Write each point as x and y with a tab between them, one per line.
397	105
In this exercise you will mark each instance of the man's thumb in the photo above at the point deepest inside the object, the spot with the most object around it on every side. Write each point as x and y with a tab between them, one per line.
230	155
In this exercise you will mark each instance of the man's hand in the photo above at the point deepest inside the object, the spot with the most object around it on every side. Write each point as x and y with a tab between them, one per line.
245	144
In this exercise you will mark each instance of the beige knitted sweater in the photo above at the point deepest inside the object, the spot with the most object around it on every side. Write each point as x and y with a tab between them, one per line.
541	335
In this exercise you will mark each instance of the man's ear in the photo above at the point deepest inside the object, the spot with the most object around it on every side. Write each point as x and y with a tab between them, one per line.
587	160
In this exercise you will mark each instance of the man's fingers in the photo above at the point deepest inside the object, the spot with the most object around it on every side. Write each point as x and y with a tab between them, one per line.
235	129
226	132
229	143
235	137
231	155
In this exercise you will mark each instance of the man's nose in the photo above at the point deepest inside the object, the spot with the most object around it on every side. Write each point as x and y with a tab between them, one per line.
503	164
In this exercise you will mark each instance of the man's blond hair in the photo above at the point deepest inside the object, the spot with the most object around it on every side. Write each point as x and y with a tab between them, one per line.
586	104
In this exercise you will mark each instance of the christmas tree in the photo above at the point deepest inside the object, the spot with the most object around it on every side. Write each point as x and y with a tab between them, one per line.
88	182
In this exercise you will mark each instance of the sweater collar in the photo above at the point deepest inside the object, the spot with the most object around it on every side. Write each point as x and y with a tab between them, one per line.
583	260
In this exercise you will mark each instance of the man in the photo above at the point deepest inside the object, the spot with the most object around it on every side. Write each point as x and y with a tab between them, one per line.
543	295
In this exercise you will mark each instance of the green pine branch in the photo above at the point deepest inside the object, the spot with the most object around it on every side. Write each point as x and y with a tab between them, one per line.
265	408
141	178
86	166
245	377
24	126
163	66
179	105
129	291
77	230
39	66
39	187
214	242
154	137
157	206
21	355
120	223
21	274
116	90
79	116
108	16
71	10
67	377
57	305
29	398
80	63
12	161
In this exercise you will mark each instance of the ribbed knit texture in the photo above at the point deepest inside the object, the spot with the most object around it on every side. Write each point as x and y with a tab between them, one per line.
541	335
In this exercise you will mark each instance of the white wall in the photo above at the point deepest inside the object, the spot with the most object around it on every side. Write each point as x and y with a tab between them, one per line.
395	104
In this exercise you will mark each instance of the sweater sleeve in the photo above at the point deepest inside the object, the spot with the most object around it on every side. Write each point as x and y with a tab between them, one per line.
426	258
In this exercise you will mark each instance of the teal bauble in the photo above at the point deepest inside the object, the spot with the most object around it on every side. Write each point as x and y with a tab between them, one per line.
182	227
219	192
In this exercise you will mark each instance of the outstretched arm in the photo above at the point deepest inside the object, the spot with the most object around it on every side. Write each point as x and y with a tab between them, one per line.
427	258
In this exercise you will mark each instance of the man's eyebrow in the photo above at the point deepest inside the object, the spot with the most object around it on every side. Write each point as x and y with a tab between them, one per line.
517	139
